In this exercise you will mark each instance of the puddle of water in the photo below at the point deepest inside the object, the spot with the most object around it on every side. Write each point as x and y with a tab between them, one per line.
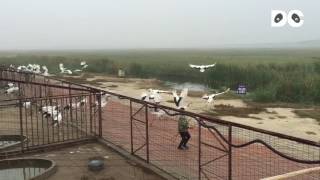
189	85
23	169
21	173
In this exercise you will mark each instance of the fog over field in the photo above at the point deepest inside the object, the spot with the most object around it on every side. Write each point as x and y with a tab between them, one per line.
127	24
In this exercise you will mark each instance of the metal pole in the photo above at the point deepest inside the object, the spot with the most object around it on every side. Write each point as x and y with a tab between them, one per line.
131	130
20	116
199	153
70	105
90	109
230	153
147	132
100	115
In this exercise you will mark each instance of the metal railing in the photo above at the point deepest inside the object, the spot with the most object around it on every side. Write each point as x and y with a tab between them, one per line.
217	149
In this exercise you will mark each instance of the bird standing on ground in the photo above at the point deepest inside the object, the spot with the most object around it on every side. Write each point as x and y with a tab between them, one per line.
26	104
12	88
202	67
210	97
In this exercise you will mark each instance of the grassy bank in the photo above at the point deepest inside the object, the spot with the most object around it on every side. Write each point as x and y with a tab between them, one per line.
270	75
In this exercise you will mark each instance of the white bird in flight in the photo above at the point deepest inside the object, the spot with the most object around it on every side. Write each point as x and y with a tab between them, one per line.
45	69
64	70
179	100
83	64
202	67
210	97
153	95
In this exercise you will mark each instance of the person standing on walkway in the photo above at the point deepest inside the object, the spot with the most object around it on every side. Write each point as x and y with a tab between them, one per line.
183	126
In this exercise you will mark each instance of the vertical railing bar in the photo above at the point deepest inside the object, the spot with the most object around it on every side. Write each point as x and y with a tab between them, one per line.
81	117
67	114
63	117
26	120
41	102
77	125
37	119
90	109
199	153
100	115
52	125
230	152
47	122
131	130
20	115
147	131
71	110
31	120
85	114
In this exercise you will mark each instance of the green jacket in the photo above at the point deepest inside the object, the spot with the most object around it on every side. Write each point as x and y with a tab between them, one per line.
183	124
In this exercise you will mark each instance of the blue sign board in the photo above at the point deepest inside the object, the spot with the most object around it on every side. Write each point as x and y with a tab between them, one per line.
242	89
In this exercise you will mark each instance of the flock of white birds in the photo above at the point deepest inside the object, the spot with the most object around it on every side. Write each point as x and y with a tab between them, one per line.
36	69
54	112
154	95
150	95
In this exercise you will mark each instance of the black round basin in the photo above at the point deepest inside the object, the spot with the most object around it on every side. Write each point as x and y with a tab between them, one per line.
11	141
26	169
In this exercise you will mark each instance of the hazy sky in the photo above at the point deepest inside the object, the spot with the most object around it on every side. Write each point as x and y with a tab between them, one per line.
109	24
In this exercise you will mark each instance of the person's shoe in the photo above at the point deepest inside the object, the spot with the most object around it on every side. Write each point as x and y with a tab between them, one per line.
181	148
186	147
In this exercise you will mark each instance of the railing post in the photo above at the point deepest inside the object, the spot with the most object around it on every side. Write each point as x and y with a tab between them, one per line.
100	114
90	109
199	141
147	131
70	105
230	152
20	117
131	130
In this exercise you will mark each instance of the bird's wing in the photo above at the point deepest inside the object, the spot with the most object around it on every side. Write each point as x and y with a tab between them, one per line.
210	65
205	96
61	67
83	63
174	93
194	66
10	85
184	92
221	92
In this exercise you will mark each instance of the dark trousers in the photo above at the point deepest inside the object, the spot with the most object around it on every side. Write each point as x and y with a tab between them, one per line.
185	136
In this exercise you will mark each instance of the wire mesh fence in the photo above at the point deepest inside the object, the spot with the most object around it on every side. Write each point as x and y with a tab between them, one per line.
217	149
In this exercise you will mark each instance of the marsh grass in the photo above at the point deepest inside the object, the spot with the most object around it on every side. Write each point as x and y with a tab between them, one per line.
271	75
